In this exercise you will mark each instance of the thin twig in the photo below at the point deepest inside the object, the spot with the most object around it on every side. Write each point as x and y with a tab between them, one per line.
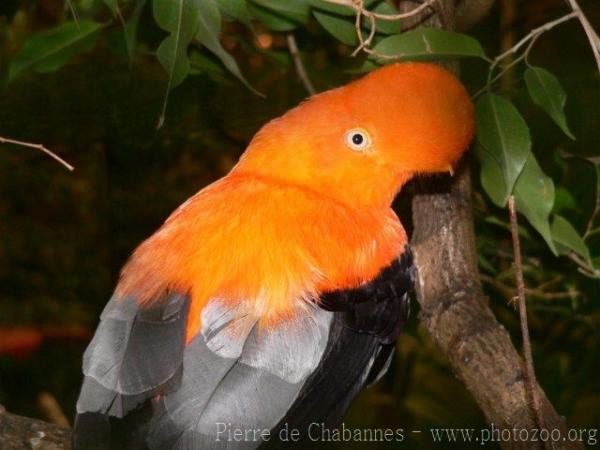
358	5
413	12
509	291
364	44
373	24
546	284
589	30
536	31
359	8
300	69
4	140
527	353
535	34
530	39
358	28
73	11
584	268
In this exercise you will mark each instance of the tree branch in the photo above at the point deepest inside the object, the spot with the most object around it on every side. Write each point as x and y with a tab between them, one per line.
456	313
300	69
53	155
527	354
360	10
589	30
509	291
455	310
18	433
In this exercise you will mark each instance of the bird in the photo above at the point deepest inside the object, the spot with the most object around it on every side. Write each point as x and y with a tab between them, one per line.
268	300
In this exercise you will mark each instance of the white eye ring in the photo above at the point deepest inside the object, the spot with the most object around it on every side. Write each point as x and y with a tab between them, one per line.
358	139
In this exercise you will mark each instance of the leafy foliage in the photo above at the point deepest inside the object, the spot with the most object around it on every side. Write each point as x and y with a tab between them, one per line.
504	138
427	44
50	50
545	90
567	239
534	197
339	27
181	19
236	10
130	29
209	31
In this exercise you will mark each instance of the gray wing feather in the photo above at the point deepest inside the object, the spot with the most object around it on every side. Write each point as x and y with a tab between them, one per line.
135	353
246	378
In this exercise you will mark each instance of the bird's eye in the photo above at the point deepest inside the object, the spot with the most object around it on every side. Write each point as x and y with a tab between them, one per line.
358	139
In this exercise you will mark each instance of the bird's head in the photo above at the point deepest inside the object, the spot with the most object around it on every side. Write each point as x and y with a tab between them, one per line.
361	142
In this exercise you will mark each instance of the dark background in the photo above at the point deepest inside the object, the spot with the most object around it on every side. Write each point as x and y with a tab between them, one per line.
64	236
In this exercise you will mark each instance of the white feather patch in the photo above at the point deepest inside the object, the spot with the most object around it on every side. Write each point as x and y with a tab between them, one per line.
226	329
290	350
293	349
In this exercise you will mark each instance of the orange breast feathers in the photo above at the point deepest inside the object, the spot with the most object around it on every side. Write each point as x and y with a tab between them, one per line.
251	239
307	208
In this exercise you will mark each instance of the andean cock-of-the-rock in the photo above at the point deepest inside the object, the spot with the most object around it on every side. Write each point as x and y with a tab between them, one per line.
270	298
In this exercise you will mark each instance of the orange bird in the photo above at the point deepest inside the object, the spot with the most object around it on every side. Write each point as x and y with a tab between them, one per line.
269	299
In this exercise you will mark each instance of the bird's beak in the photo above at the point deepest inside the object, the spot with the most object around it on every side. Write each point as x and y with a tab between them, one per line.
450	170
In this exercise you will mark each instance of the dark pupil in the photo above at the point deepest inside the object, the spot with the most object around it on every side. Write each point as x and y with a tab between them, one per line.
357	139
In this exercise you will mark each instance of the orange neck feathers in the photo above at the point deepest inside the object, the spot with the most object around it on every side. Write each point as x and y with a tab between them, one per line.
307	208
270	245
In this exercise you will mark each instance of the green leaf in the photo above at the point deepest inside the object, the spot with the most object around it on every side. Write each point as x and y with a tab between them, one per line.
492	179
130	29
504	135
385	26
297	11
201	63
428	44
209	30
534	198
485	264
50	50
236	9
271	20
113	6
343	28
567	239
180	18
182	22
173	57
340	28
564	201
367	66
545	91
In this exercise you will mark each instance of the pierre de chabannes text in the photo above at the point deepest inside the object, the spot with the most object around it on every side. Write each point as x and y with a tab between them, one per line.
319	432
